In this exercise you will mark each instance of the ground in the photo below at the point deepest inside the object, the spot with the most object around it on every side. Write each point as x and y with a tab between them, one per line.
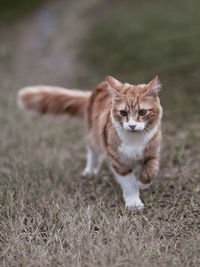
50	215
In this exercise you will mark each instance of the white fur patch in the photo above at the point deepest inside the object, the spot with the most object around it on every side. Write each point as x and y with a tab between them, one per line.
157	86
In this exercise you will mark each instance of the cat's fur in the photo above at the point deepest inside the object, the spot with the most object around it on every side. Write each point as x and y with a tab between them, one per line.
124	141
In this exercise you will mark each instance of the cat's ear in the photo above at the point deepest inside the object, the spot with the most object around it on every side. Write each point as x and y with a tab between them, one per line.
114	86
154	87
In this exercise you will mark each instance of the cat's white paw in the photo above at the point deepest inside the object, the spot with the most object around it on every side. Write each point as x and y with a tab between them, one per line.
86	173
134	203
89	173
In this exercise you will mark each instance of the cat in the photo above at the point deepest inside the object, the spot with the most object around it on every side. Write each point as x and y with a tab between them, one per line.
123	126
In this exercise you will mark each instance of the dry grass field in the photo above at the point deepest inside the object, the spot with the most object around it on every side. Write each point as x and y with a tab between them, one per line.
49	214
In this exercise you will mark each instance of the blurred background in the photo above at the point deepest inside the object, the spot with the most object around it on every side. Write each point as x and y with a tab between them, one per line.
75	44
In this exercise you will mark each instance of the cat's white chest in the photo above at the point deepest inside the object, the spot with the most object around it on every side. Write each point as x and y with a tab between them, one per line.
132	148
133	144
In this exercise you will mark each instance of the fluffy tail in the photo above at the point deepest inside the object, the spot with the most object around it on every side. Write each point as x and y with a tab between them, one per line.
53	100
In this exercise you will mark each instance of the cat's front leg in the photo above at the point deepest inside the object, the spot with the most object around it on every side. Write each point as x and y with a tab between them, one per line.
149	172
130	188
93	165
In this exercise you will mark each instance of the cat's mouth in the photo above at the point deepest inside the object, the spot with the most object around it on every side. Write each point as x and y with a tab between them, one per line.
137	127
135	130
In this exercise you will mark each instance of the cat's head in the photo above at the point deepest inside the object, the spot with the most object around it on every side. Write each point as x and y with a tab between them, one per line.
135	107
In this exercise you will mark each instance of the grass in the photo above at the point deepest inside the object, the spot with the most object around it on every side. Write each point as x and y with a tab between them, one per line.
11	10
49	215
139	39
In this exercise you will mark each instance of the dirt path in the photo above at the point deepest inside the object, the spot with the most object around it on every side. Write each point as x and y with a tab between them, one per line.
43	48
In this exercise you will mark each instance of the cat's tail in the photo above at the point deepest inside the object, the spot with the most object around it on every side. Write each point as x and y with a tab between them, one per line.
53	100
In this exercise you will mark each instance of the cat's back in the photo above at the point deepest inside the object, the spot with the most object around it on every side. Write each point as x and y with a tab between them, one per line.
99	103
98	116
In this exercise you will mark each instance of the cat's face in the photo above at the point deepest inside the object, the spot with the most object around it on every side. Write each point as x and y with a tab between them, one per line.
135	107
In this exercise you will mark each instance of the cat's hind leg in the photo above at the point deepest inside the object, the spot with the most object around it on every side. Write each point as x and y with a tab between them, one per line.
93	165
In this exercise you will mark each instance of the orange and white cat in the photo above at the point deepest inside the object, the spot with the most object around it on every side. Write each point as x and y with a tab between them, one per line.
123	126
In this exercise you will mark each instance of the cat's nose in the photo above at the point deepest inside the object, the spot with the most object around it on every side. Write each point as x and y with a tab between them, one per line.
132	126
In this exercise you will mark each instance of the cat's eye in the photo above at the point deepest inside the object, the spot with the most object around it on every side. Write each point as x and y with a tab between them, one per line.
123	112
142	112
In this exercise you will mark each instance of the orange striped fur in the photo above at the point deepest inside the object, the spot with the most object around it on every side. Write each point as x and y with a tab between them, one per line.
54	100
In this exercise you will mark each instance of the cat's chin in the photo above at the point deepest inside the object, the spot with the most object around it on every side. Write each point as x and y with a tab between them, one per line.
134	130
